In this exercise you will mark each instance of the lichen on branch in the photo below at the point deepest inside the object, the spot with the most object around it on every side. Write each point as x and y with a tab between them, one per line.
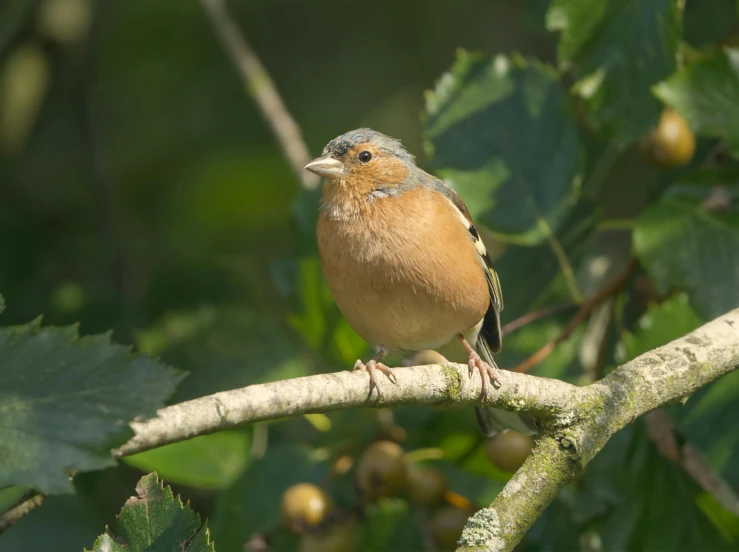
576	421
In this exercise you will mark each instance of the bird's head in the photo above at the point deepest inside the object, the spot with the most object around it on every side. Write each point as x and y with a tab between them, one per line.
364	156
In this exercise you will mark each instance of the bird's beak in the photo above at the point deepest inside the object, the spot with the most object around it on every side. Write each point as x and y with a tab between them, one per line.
327	167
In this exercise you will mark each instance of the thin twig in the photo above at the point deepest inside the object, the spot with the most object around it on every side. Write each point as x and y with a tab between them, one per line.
12	516
662	431
261	87
531	317
585	309
564	262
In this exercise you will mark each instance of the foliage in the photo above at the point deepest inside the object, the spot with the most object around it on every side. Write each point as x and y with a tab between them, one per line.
144	193
156	520
62	399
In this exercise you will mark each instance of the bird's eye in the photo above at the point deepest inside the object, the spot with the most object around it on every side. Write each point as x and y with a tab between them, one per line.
365	156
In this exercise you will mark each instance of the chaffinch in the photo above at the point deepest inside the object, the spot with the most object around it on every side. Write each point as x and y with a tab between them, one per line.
404	262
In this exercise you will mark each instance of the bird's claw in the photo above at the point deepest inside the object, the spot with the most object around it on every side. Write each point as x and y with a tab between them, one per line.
476	363
371	367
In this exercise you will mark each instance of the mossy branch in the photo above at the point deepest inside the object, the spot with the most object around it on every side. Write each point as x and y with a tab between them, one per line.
576	421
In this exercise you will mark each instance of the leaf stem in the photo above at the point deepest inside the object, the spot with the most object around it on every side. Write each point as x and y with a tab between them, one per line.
585	309
564	262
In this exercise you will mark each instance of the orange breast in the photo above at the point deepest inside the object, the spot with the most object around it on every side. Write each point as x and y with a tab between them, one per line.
403	270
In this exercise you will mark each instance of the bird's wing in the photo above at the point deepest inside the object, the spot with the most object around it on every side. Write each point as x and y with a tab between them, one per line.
496	294
490	331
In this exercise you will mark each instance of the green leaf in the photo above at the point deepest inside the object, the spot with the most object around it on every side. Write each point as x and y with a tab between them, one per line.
540	264
617	50
706	22
64	401
502	133
708	420
661	324
684	246
706	93
106	543
644	502
554	530
208	462
156	521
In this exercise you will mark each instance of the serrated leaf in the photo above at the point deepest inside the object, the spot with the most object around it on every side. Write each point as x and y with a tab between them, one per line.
207	462
502	133
617	50
64	401
706	93
684	246
156	521
106	543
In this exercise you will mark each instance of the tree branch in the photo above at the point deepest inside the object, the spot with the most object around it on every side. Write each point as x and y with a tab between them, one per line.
431	385
261	87
21	510
576	422
664	375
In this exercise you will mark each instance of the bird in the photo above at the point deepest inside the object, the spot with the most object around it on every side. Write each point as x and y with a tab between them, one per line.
405	264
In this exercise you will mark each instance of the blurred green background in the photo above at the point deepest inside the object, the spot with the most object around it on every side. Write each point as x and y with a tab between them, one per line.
141	191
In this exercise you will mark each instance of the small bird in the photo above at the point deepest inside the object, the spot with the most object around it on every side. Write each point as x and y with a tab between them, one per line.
404	262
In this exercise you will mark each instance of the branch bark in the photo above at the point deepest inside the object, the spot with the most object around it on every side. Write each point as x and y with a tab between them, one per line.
435	384
664	375
576	422
19	511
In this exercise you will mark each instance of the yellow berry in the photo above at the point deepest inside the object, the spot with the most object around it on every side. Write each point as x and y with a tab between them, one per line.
305	505
426	486
381	470
508	450
447	525
672	143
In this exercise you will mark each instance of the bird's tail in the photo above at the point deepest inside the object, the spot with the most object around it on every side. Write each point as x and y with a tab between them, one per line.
493	421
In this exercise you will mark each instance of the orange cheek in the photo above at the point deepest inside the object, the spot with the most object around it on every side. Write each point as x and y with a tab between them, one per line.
388	171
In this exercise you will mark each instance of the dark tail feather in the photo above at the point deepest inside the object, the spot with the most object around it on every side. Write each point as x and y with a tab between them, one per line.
493	421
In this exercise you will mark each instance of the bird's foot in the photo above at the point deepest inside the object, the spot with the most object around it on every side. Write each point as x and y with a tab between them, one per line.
486	372
372	367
